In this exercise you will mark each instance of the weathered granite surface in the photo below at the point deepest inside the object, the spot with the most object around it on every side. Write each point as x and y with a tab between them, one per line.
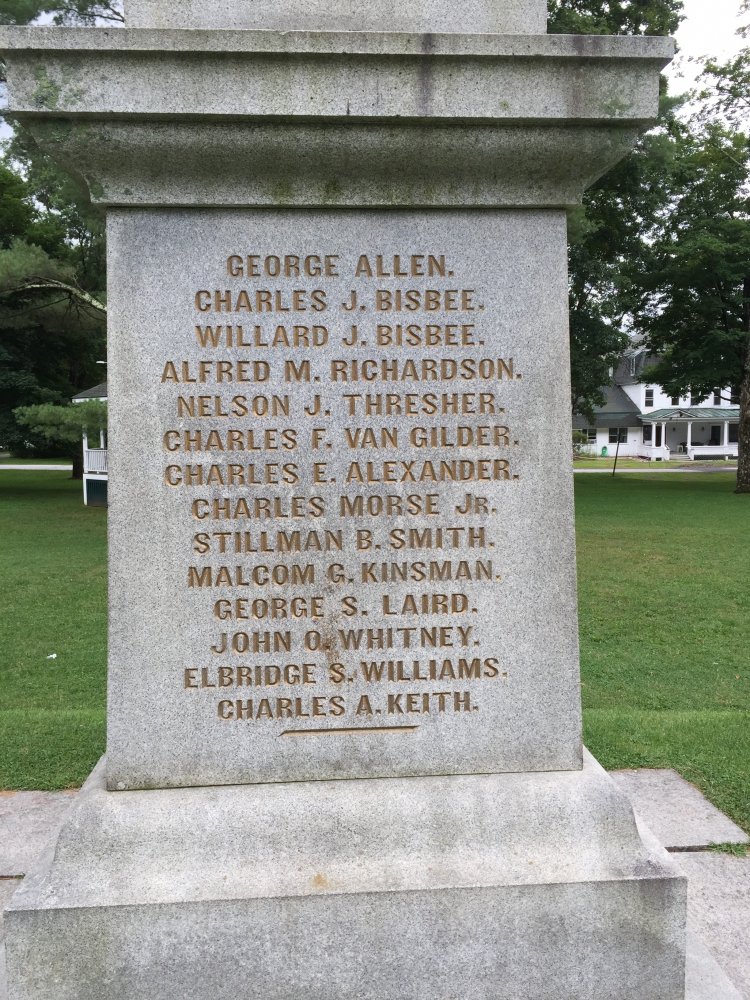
719	908
28	821
712	905
508	645
480	16
503	886
430	882
7	888
676	812
384	118
704	977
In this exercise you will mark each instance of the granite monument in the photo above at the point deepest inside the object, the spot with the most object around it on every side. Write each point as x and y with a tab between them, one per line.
344	751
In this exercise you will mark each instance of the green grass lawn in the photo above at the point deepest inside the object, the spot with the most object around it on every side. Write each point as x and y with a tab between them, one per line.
587	462
664	612
664	596
53	600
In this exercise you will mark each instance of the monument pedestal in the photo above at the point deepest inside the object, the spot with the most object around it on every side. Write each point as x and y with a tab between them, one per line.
503	886
344	724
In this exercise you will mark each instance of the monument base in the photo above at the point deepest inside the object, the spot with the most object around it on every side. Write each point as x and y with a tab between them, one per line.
503	886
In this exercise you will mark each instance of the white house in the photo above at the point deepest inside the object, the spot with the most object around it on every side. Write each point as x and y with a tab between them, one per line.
649	424
95	477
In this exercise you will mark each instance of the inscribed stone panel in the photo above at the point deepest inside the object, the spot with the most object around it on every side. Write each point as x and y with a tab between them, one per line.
341	496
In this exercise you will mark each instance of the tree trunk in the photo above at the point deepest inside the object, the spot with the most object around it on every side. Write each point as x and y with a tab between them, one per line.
77	463
743	437
743	434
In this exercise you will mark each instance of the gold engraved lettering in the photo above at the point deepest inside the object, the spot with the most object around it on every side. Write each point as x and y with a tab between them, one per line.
421	369
415	404
418	572
245	609
426	604
445	471
396	266
375	505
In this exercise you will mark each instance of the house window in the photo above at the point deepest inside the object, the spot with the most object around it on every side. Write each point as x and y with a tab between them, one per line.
675	400
648	433
649	397
618	434
717	397
695	400
591	431
715	438
735	400
734	433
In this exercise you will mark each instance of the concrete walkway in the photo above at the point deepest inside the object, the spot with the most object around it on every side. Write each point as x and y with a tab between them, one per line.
718	955
675	811
649	470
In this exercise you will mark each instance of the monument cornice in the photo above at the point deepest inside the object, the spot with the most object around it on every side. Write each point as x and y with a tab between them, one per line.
244	118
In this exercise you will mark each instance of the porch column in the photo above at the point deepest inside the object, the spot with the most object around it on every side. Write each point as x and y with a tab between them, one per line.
726	434
664	435
101	438
689	437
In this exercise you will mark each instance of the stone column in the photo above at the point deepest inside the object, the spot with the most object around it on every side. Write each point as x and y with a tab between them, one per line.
344	750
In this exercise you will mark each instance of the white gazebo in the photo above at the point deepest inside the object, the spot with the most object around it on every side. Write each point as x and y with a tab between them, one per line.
95	478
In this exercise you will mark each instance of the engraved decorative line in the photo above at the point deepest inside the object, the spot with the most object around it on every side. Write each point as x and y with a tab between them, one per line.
350	731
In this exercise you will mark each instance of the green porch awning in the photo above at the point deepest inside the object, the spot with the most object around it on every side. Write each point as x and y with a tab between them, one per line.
706	413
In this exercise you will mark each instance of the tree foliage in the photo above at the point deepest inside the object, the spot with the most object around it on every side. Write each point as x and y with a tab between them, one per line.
63	426
607	251
65	12
606	230
52	279
696	290
696	302
609	17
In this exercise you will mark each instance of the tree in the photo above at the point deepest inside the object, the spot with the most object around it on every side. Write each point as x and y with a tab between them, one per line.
64	426
52	329
26	267
613	17
52	265
65	12
660	245
695	310
608	239
719	353
606	230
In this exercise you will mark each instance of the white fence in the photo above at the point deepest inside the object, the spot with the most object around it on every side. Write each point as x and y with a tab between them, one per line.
712	451
95	460
653	454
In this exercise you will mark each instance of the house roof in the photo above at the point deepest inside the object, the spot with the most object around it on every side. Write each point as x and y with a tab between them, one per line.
96	392
619	410
693	413
630	366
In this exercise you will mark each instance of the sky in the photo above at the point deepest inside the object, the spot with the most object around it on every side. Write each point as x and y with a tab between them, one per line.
708	30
